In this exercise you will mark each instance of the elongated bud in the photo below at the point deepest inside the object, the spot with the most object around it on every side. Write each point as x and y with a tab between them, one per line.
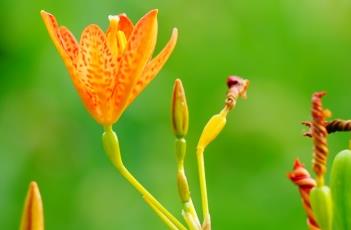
340	185
213	127
111	146
33	217
180	114
321	202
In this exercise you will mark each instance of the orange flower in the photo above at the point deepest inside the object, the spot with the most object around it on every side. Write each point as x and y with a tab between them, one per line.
33	217
110	69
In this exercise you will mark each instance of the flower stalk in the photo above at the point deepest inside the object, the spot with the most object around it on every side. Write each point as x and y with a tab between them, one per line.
112	149
237	87
110	69
180	124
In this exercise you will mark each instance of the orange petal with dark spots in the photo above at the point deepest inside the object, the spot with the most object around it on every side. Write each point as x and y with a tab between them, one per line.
110	70
70	44
138	52
95	73
54	32
33	217
154	66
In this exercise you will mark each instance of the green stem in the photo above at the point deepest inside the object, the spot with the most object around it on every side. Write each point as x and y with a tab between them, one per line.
190	215
112	149
203	188
161	215
189	212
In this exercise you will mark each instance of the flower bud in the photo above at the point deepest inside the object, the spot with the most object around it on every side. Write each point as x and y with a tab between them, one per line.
180	114
213	127
33	217
321	202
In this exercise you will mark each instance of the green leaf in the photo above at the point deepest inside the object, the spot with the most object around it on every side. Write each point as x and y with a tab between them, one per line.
341	190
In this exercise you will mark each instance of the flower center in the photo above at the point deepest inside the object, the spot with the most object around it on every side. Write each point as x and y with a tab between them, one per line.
116	38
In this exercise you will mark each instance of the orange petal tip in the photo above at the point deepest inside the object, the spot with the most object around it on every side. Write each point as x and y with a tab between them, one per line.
297	164
175	31
44	13
32	217
153	12
33	185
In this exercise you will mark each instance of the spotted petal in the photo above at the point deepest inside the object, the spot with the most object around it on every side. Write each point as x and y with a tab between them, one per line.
138	52
62	38
95	71
70	44
154	66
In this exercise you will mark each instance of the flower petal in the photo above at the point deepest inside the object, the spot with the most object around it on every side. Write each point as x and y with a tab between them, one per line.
95	71
55	34
154	66
125	24
138	52
70	44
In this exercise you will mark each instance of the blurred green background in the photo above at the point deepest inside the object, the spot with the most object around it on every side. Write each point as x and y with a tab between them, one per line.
288	49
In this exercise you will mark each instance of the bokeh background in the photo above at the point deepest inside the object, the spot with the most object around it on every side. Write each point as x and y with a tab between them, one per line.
288	49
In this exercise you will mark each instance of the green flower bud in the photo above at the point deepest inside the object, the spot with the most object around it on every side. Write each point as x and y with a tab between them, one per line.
341	190
180	114
321	202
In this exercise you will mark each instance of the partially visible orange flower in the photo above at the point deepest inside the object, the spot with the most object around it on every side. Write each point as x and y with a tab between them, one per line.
33	217
110	69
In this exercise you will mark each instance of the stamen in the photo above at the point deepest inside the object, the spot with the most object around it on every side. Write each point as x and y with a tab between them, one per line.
122	41
112	34
114	19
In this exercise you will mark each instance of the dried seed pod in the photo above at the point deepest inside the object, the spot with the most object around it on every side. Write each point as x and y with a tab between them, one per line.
301	177
337	125
319	136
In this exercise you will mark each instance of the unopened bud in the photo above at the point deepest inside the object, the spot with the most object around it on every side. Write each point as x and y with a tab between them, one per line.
213	127
321	202
180	114
33	217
